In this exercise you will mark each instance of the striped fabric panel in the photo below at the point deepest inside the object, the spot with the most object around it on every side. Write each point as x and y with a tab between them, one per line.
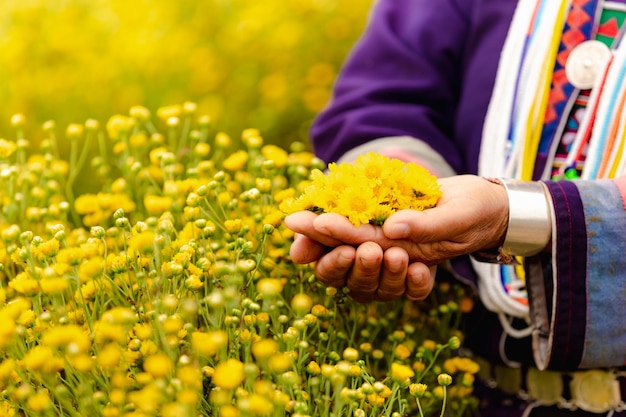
605	342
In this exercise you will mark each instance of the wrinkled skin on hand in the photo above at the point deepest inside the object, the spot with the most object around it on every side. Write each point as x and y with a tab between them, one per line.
400	258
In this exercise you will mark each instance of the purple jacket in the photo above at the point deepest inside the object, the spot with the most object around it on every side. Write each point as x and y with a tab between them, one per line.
425	69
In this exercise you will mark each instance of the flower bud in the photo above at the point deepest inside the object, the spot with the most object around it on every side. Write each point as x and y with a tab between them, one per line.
444	379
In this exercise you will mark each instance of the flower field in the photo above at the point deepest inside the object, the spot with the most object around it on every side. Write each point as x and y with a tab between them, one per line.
144	263
169	291
267	64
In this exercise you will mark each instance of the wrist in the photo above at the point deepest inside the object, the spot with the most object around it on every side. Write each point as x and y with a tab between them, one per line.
529	227
529	224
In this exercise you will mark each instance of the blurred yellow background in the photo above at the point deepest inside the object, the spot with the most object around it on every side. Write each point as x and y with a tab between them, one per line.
267	64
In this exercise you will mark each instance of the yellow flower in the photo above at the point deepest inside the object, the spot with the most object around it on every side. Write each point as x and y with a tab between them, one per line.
187	397
159	365
233	226
275	218
229	374
148	347
7	148
402	352
368	190
236	161
166	112
173	410
190	376
459	364
90	289
224	197
41	358
429	344
202	149
269	287
54	285
209	344
24	284
259	405
142	243
276	154
156	205
263	184
229	411
350	354
82	362
71	336
400	372
119	148
444	379
139	112
119	315
59	168
39	402
417	390
264	348
302	158
222	140
280	362
313	368
147	399
71	256
118	124
172	324
301	303
138	139
282	195
252	138
105	332
194	282
156	155
109	356
143	331
358	204
8	373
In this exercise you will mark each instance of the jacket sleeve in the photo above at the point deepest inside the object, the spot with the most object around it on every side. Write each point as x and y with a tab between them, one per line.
401	80
577	295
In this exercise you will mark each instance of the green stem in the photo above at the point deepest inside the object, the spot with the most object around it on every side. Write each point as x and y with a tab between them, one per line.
419	407
443	406
76	165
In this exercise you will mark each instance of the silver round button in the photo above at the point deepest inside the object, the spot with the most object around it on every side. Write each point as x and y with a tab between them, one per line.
585	63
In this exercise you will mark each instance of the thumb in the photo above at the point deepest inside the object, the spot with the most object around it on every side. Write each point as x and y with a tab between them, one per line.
432	225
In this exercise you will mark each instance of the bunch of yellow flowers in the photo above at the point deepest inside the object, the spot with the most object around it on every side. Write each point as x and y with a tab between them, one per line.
166	288
368	190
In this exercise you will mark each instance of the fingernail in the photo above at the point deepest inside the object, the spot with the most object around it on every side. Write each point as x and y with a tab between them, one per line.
344	261
398	231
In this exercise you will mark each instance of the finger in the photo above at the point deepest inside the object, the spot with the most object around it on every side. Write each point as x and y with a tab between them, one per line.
364	277
420	280
393	277
332	269
305	250
303	222
432	225
339	227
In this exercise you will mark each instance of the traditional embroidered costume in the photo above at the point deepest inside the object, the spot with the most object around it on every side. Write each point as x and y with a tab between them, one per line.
530	90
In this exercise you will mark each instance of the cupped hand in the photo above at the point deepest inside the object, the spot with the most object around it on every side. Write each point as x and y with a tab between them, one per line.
472	214
369	272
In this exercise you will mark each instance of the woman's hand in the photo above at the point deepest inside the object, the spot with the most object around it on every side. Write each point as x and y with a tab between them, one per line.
472	214
369	272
